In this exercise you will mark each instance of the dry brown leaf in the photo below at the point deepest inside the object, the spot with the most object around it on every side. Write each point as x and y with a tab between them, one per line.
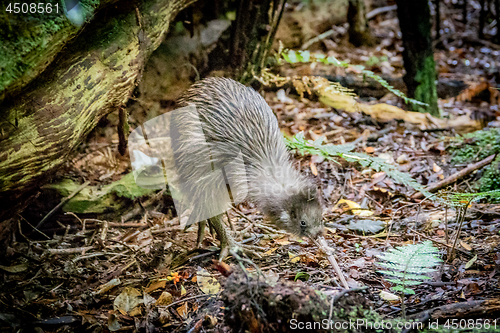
207	282
384	113
293	257
155	285
183	310
314	170
107	286
127	300
165	298
352	205
465	245
475	90
270	251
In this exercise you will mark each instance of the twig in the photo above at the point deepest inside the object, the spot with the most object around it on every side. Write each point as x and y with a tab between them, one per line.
340	294
146	204
115	224
453	178
63	201
482	41
380	10
21	232
470	309
167	229
330	32
70	250
317	39
186	299
460	217
438	242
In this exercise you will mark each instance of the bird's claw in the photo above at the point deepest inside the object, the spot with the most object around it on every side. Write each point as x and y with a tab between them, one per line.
232	245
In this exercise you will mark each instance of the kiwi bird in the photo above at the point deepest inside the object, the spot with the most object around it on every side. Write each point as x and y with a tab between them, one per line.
231	128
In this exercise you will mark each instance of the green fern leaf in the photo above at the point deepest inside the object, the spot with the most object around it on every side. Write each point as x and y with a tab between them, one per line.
408	265
299	144
403	290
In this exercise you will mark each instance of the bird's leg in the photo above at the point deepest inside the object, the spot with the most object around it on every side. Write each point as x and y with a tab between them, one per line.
201	233
227	242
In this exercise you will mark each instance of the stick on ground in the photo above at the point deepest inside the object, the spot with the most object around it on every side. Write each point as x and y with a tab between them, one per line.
453	178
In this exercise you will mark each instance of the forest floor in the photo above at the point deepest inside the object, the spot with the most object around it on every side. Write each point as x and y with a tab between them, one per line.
117	271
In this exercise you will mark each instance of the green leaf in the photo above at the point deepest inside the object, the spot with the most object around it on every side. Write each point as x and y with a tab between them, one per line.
301	276
407	265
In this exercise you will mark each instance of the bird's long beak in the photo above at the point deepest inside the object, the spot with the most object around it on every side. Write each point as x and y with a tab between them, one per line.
321	244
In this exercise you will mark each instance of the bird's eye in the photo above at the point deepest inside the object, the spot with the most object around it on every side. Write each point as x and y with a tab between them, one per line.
302	223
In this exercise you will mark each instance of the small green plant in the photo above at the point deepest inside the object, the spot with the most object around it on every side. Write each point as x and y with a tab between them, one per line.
329	151
461	202
301	276
408	266
358	247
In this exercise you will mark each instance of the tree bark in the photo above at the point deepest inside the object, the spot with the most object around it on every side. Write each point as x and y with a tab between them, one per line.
482	18
252	35
359	32
438	19
93	75
420	79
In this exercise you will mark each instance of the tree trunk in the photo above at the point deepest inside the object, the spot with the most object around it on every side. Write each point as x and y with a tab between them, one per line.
359	32
497	18
420	79
93	75
482	18
438	19
252	35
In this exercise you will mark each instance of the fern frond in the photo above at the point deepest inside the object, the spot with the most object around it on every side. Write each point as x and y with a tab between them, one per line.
407	265
328	151
454	199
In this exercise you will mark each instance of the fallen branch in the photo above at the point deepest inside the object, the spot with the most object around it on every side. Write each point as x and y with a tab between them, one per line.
317	39
453	178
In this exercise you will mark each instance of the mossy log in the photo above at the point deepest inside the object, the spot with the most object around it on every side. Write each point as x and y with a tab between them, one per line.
91	71
31	41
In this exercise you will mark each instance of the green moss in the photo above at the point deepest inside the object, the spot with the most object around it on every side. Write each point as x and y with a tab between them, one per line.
31	41
491	178
476	146
426	90
91	199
